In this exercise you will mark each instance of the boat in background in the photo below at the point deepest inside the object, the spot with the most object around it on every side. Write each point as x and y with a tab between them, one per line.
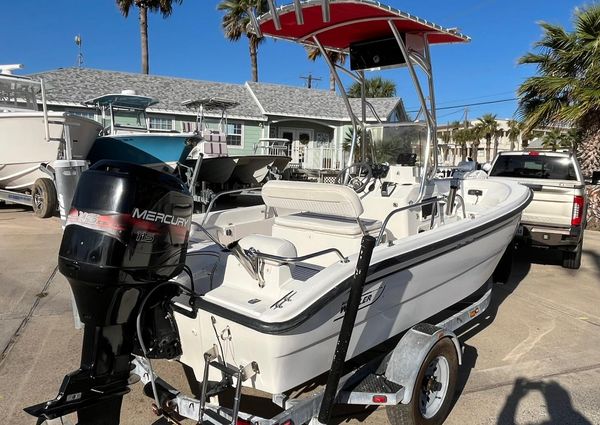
128	137
218	166
30	137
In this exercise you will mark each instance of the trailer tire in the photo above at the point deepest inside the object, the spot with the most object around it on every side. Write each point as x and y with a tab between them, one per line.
43	198
572	259
440	370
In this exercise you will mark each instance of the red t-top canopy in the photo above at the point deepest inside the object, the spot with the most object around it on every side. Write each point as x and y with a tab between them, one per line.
351	21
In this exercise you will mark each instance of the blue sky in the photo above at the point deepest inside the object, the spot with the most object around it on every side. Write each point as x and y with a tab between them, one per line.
190	44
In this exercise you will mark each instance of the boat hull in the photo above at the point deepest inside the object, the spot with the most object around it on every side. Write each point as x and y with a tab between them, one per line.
401	291
216	170
154	150
24	147
253	169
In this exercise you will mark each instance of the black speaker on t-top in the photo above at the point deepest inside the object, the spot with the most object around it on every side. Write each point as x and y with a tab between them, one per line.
376	53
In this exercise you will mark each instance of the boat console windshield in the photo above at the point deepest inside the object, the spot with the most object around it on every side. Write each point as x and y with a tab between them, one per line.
124	112
18	93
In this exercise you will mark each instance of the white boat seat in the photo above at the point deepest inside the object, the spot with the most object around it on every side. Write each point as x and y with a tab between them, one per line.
328	219
327	224
318	198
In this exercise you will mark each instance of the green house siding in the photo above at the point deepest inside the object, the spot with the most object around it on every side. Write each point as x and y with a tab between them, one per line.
252	132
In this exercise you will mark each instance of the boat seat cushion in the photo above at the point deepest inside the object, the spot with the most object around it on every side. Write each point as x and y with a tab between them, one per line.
317	198
327	224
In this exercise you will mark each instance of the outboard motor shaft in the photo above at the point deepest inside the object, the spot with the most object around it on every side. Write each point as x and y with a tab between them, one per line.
126	235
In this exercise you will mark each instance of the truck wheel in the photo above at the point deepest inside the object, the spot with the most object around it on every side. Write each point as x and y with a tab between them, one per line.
572	259
433	391
43	196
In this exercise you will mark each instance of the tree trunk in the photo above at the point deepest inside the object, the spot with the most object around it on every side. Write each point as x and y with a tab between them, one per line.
253	58
588	151
495	147
475	148
144	38
463	152
588	154
331	82
488	142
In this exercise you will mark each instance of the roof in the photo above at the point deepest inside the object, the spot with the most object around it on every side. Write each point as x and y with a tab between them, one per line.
277	99
339	23
75	85
72	86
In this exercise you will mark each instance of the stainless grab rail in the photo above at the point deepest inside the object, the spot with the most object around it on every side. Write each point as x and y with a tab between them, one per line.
280	259
432	200
218	195
462	204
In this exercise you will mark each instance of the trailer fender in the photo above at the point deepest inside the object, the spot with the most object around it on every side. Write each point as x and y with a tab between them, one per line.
406	358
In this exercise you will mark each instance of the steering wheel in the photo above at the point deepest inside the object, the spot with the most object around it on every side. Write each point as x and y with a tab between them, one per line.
356	182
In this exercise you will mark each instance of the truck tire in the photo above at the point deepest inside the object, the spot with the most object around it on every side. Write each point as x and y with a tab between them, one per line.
572	259
43	198
434	389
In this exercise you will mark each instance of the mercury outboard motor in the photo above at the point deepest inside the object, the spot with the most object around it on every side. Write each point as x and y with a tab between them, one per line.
125	237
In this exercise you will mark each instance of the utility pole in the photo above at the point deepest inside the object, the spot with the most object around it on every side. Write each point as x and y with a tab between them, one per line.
309	80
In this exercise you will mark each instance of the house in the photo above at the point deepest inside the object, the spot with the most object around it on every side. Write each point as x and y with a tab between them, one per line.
315	122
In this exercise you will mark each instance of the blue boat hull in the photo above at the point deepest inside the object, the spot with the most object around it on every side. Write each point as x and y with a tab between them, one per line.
154	150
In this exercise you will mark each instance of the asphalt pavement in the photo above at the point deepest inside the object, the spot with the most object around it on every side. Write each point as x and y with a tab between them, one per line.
532	358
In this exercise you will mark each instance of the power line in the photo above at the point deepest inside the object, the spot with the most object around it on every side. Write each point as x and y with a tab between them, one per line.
489	102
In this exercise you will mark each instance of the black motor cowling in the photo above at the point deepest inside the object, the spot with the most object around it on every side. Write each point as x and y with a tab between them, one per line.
126	235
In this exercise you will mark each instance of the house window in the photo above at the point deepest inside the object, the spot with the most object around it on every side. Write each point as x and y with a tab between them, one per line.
156	123
234	134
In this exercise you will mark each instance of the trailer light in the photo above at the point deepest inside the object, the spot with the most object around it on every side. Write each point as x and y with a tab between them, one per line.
576	217
288	422
242	422
379	399
534	153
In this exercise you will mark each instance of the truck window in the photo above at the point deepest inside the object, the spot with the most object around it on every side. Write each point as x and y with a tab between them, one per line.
534	166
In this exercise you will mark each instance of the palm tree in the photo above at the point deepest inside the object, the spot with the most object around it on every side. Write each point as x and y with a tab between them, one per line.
514	130
335	58
235	23
454	126
165	7
461	136
475	134
553	140
565	89
374	87
489	129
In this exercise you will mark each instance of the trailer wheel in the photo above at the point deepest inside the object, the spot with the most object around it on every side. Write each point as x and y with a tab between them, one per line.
43	196
572	259
433	391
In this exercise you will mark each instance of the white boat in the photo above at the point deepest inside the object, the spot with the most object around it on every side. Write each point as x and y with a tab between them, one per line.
30	137
275	278
274	292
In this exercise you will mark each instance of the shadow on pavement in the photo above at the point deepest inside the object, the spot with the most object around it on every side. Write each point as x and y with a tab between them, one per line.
593	255
558	403
500	292
13	208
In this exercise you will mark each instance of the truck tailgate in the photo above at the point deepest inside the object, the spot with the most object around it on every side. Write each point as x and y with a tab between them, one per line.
552	202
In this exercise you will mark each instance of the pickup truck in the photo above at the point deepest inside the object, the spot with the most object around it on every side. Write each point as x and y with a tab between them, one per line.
556	216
